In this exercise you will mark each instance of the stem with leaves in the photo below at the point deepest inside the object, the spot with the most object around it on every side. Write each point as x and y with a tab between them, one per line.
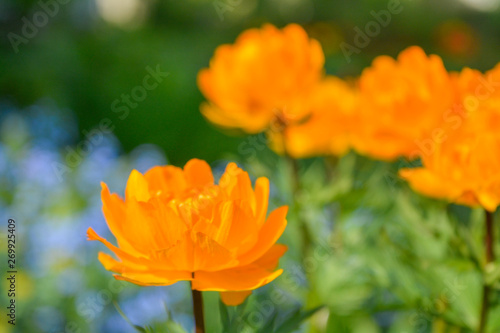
280	126
306	235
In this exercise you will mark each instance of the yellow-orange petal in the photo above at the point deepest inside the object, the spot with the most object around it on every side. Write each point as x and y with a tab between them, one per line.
172	229
113	208
198	173
159	228
467	198
233	227
92	235
237	185
147	279
137	187
392	92
265	72
234	298
166	179
261	199
271	258
427	183
223	119
161	180
210	255
168	258
144	275
111	264
248	277
268	235
131	260
489	201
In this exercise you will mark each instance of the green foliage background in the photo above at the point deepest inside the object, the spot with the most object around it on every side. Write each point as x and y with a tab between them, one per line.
84	63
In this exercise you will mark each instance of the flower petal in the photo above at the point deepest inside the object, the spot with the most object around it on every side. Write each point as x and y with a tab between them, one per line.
236	183
166	180
242	278
153	224
233	298
427	183
142	275
113	208
137	187
262	199
147	279
92	235
488	200
210	255
268	235
271	258
198	173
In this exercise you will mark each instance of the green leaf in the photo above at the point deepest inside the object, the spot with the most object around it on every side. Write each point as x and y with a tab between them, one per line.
173	327
295	320
270	323
492	273
224	316
137	327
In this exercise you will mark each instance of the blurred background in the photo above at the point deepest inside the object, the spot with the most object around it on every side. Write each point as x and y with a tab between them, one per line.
90	89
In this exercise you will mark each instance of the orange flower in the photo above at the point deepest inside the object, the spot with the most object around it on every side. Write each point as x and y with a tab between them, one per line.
464	166
327	129
402	102
266	74
176	224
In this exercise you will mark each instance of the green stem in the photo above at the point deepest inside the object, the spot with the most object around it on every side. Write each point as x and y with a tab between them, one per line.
294	166
199	319
490	257
282	124
490	238
306	235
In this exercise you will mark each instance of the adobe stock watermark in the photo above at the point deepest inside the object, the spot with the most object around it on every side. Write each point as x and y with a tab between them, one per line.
74	155
457	114
453	118
224	6
30	28
422	319
372	29
138	93
293	277
254	143
94	305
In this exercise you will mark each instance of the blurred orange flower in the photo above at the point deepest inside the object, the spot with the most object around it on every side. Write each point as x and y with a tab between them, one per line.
326	131
464	167
265	75
176	224
402	102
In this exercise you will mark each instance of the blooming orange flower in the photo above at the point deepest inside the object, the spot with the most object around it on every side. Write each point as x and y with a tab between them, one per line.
402	102
265	74
333	110
464	166
176	224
